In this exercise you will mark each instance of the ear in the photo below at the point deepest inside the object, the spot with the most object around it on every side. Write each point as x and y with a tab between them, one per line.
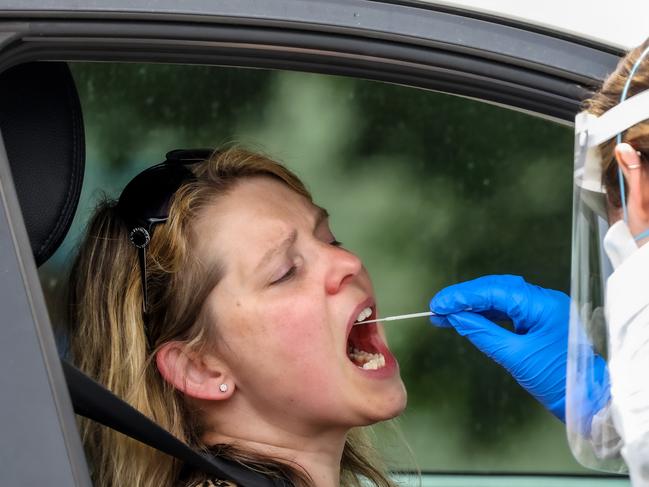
636	174
200	376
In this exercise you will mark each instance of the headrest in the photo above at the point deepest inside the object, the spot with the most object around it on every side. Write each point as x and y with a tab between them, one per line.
42	129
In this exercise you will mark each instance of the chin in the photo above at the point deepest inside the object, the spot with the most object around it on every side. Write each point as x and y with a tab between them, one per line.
389	406
398	403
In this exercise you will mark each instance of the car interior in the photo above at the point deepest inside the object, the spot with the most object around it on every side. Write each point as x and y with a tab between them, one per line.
48	177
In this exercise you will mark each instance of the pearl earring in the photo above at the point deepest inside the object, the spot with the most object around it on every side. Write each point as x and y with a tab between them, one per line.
223	388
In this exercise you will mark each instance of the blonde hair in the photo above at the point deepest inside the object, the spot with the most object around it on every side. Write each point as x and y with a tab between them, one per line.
606	98
109	341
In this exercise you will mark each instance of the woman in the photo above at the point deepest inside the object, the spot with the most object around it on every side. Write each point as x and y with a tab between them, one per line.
214	298
626	420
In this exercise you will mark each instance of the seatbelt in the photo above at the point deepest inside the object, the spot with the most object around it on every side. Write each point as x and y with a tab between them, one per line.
95	402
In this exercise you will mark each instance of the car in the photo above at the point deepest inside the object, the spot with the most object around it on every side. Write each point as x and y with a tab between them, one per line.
444	127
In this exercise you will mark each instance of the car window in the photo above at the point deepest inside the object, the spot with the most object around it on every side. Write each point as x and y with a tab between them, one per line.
428	188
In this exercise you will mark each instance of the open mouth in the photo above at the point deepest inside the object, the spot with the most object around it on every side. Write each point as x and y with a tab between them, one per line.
364	341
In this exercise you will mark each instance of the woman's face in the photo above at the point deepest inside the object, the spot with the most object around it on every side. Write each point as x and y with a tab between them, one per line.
284	312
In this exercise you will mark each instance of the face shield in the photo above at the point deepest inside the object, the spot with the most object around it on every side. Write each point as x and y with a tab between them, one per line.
592	433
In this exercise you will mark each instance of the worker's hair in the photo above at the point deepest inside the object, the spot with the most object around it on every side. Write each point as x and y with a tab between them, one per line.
606	98
109	341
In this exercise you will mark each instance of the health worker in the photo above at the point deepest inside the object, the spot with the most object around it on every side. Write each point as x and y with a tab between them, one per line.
585	357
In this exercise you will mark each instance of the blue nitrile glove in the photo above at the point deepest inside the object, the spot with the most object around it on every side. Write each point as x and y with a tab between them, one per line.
535	354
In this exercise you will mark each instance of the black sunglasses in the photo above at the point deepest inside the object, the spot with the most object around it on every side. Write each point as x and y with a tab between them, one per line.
144	202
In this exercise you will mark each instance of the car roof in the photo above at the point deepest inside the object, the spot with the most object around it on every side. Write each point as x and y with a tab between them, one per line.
623	26
620	27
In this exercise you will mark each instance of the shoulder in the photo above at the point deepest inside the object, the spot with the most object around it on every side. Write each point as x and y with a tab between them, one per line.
211	483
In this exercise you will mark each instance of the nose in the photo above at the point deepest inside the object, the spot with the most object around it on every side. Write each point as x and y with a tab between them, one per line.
342	267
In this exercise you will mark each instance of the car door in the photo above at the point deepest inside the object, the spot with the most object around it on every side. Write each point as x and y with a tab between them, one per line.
373	83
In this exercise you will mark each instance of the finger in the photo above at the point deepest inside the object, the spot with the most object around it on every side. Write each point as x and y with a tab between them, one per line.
525	304
440	321
488	337
494	293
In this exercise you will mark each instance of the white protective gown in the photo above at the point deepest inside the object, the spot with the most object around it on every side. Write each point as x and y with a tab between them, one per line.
627	314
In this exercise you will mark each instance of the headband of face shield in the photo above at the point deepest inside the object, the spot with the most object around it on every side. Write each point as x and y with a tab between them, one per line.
594	434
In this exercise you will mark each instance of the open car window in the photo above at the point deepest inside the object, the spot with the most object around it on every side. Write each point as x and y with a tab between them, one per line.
427	188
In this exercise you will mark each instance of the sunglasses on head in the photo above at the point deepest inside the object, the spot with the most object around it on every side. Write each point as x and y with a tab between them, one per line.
144	202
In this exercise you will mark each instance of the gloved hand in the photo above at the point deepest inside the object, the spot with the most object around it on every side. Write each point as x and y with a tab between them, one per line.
535	354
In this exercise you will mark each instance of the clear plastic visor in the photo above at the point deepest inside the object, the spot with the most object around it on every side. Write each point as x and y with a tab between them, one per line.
591	433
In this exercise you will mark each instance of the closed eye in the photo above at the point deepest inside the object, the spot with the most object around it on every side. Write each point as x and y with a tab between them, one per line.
286	276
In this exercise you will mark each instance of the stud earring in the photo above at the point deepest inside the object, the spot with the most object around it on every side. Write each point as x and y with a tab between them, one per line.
223	388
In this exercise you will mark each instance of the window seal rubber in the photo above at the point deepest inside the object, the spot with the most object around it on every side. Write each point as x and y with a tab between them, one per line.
470	68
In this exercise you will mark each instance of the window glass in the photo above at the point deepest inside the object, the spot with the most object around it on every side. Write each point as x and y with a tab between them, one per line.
429	189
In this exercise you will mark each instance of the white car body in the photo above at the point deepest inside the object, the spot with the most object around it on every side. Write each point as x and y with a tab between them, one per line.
623	24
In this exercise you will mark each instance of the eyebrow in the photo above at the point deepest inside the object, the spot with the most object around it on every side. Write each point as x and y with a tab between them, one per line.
321	216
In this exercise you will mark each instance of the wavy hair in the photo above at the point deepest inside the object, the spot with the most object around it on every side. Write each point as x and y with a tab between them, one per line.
110	344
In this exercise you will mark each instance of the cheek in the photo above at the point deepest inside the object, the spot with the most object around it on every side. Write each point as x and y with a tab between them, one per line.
296	330
283	340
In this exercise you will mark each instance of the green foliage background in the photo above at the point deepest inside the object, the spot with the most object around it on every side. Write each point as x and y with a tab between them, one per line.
429	189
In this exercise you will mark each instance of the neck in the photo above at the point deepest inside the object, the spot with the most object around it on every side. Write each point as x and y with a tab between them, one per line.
318	456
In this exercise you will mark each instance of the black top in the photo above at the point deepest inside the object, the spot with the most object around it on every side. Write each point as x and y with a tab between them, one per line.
213	482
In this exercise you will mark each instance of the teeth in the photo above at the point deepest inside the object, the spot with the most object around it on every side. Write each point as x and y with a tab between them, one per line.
364	314
375	363
366	360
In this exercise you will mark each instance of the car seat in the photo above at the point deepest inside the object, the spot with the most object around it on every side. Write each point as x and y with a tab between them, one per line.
42	128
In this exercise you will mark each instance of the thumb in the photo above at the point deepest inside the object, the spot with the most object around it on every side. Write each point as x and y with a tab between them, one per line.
487	336
440	321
